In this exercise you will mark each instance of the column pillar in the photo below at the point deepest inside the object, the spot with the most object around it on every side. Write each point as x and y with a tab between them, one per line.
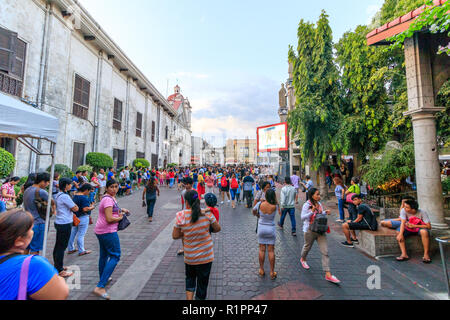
422	110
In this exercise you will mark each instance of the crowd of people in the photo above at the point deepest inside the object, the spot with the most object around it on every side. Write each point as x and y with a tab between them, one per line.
22	230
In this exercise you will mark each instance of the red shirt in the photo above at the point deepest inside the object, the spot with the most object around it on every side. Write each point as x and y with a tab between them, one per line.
215	212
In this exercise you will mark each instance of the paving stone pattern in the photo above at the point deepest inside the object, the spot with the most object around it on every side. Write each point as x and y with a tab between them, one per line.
234	274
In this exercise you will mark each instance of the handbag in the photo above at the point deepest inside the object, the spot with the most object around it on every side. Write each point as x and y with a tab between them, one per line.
76	220
10	205
257	221
124	223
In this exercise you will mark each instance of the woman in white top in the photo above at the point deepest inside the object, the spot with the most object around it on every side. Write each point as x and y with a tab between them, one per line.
309	211
65	209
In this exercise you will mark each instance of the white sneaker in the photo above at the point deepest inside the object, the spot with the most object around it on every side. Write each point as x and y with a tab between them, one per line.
221	202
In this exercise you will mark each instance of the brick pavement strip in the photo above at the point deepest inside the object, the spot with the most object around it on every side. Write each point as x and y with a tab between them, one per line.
234	273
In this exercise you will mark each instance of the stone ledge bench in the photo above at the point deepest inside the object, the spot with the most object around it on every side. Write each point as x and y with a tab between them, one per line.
383	242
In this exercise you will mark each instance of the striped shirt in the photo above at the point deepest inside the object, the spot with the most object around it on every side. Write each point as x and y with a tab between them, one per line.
198	243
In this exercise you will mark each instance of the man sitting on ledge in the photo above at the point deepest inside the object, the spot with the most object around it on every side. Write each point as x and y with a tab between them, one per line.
366	220
413	221
397	222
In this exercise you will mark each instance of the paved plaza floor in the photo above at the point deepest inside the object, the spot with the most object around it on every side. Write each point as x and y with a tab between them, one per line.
151	270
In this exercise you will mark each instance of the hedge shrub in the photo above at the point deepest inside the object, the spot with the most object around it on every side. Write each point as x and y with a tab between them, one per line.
446	185
143	163
86	167
99	160
63	170
7	163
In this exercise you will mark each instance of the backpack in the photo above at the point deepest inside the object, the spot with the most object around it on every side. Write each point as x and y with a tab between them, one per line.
415	221
41	205
234	184
319	224
224	182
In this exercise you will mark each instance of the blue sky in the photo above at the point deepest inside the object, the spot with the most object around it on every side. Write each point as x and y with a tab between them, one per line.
229	57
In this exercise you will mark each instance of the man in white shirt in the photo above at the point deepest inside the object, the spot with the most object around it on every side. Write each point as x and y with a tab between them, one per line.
287	204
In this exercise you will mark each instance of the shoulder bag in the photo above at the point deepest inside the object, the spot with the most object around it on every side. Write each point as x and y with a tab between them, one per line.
124	223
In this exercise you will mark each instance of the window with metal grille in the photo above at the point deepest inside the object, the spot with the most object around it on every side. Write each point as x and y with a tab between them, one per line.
117	116
12	62
154	160
140	155
118	158
81	97
153	131
78	155
139	125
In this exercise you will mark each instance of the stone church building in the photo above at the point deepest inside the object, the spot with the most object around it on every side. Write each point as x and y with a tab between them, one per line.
54	56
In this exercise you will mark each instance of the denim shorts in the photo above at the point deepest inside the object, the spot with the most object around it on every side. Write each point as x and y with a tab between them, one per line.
395	224
37	243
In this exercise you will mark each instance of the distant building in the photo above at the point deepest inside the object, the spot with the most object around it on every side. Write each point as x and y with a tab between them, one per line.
203	153
241	151
179	139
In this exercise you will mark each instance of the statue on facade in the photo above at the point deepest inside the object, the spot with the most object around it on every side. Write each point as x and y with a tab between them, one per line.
282	97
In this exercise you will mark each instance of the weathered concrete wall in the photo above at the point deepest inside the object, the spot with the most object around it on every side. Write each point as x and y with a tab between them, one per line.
27	19
70	54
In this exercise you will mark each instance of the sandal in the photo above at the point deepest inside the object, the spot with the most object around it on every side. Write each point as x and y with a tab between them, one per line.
84	253
180	253
273	275
72	251
65	274
426	261
104	296
401	259
261	274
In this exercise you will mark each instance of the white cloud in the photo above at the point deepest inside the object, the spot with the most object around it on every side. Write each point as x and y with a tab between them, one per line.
218	130
372	10
188	75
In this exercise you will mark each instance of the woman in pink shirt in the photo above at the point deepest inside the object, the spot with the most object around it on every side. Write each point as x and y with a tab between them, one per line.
109	215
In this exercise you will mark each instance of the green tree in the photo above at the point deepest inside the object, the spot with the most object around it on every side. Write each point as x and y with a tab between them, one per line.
316	83
364	75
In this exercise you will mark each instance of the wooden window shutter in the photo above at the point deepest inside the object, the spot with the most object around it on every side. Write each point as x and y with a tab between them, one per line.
19	62
117	115
153	131
139	125
81	97
8	41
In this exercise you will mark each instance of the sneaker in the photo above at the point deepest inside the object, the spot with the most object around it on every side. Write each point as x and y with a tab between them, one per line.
340	221
294	234
280	226
332	279
348	245
304	265
355	241
221	202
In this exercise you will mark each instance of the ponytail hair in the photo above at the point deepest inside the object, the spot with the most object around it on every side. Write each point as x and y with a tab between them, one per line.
192	199
12	179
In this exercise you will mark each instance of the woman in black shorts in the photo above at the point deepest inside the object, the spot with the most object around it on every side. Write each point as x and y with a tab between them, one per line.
225	187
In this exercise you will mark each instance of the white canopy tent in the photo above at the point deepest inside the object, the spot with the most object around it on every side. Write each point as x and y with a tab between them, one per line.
21	121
